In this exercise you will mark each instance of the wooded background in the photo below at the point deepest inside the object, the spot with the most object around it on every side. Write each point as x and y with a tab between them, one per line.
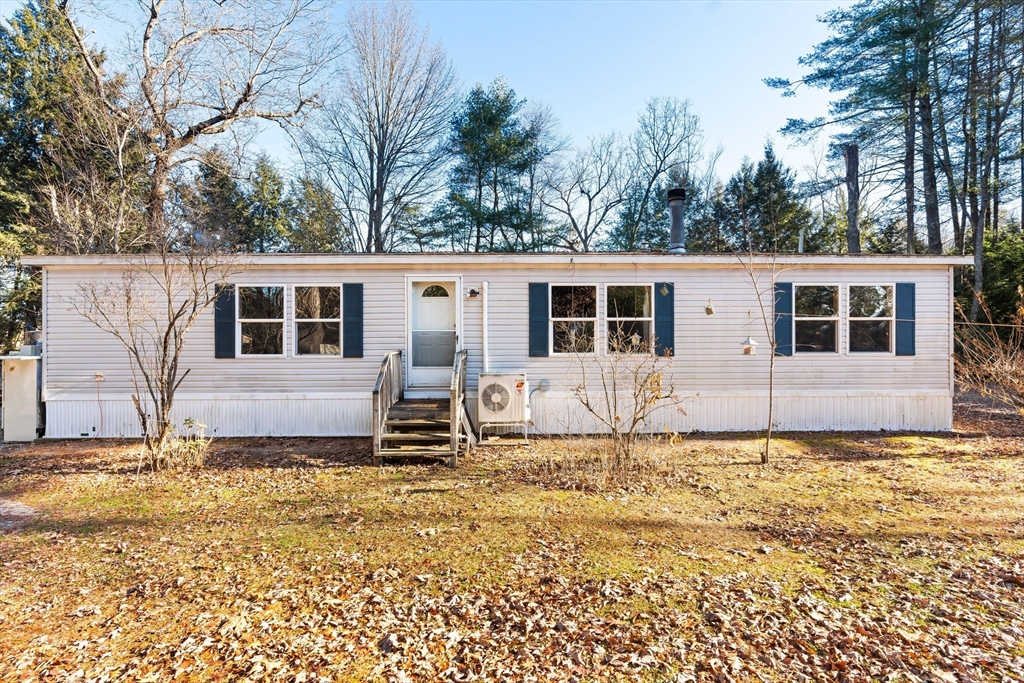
151	149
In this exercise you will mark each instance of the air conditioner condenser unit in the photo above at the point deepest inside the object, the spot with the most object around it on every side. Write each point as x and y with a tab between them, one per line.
503	399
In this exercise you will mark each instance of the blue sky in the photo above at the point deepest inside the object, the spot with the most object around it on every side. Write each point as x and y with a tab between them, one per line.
596	63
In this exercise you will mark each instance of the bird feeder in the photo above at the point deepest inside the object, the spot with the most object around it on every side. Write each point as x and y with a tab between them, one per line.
749	347
710	308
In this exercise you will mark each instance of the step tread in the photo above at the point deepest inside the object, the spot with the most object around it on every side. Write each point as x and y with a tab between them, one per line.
436	403
413	436
413	453
419	412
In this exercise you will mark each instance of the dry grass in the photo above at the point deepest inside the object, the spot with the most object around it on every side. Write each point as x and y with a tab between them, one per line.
295	558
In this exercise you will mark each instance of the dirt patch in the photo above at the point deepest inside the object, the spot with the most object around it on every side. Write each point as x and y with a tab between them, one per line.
14	515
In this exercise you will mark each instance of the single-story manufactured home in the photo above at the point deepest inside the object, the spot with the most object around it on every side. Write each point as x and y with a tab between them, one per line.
296	344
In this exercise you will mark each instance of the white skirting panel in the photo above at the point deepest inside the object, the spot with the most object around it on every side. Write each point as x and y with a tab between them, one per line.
553	413
305	415
844	411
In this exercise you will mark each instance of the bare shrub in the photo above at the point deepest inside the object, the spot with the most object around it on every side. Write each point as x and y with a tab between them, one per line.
990	357
622	391
187	450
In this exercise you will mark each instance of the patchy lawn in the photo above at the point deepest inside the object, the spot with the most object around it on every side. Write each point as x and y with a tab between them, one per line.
851	557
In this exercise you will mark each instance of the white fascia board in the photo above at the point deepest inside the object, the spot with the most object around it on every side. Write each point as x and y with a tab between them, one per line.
405	260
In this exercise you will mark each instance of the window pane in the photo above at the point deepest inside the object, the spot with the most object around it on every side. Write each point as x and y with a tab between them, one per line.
629	336
317	339
870	302
818	302
573	336
317	302
870	335
260	339
261	302
435	291
629	302
574	302
816	335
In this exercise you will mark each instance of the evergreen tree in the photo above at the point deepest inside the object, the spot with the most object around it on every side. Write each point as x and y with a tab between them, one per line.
265	225
490	202
215	204
761	211
314	219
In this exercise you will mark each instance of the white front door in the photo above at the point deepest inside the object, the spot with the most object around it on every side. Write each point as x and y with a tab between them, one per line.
433	331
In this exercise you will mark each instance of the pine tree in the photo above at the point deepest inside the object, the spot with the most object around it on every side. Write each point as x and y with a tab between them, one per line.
264	228
761	210
315	219
491	182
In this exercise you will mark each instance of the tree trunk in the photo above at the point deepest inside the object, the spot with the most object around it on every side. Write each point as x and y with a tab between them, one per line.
852	156
946	160
478	219
908	167
931	190
157	200
995	197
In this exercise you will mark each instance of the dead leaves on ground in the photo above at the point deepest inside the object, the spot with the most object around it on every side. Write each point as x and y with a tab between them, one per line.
161	595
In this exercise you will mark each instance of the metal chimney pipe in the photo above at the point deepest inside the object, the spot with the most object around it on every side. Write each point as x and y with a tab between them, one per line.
677	235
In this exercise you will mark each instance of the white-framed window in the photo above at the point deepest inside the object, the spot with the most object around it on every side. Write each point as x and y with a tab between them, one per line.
870	310
317	320
573	318
816	318
630	318
260	320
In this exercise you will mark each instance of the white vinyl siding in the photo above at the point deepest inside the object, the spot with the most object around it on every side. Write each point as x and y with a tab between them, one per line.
712	366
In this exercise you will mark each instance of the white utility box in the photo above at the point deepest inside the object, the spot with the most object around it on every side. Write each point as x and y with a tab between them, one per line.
503	400
21	397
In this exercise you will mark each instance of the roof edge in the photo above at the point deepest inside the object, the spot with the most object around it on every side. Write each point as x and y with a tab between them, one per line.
434	258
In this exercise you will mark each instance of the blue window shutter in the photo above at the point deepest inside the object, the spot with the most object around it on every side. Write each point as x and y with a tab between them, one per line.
906	310
664	319
783	318
224	322
352	322
538	319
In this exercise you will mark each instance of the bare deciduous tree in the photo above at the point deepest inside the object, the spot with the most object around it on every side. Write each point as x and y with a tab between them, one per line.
150	310
380	138
765	294
668	135
586	191
197	69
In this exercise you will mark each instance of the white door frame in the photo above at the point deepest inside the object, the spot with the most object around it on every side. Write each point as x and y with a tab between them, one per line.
440	278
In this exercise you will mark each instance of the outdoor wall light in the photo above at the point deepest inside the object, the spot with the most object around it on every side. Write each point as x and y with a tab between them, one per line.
473	293
749	347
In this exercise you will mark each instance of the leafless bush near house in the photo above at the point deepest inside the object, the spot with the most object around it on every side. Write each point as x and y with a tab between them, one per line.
150	312
187	448
990	357
623	393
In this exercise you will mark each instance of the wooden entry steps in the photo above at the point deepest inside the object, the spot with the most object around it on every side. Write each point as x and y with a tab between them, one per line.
417	428
420	428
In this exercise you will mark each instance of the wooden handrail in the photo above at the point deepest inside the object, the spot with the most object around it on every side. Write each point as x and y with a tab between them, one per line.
457	395
387	391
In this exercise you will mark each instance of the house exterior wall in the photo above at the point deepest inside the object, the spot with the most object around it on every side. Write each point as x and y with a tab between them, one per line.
330	396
